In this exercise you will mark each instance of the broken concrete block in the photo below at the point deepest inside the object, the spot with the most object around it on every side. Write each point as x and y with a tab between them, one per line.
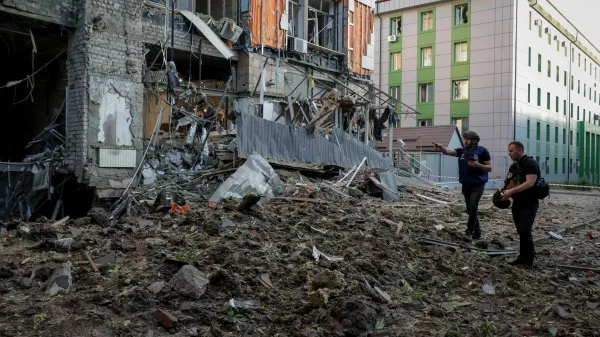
165	318
156	287
227	223
60	281
190	282
99	215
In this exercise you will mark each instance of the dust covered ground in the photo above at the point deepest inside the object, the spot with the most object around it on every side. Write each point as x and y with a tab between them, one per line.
381	280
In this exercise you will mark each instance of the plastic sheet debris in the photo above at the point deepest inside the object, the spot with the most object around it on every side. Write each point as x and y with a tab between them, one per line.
256	176
317	255
251	304
555	236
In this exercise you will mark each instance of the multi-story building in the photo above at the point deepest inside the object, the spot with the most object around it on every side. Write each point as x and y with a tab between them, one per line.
508	69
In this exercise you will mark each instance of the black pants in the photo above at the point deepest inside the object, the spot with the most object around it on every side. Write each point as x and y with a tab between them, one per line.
524	212
473	195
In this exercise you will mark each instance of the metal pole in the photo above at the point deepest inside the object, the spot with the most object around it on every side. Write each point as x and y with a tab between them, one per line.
173	31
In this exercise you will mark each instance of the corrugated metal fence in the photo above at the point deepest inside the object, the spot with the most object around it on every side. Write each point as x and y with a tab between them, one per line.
284	142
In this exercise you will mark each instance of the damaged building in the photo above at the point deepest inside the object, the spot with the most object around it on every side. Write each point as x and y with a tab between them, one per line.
90	86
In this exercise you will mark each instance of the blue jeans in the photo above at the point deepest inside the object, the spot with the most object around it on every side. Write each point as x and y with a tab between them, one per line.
473	195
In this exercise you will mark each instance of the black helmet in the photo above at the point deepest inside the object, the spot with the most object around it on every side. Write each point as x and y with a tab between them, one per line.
498	202
472	135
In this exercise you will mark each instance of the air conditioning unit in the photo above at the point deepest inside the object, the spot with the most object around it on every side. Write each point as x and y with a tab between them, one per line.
538	22
563	44
298	45
555	37
392	38
596	118
230	30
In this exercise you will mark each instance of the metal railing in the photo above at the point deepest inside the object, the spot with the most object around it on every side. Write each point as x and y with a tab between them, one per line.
411	165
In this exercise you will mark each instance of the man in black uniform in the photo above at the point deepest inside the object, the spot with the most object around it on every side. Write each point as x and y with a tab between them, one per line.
519	183
474	163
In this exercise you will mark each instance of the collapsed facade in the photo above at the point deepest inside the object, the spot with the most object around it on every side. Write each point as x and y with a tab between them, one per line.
86	83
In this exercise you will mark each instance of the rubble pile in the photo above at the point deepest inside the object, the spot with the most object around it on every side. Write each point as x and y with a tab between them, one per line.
313	257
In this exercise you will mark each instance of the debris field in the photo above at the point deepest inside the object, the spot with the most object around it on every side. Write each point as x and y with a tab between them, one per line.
320	260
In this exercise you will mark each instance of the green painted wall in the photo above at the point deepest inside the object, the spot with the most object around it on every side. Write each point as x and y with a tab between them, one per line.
588	151
394	77
460	70
426	74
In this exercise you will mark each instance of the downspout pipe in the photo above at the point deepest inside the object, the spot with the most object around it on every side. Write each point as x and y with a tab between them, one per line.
515	72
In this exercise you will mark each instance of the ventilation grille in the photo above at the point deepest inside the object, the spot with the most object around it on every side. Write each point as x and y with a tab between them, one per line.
117	157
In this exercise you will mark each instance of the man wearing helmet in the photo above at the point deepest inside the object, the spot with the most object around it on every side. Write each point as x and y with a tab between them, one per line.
474	163
522	176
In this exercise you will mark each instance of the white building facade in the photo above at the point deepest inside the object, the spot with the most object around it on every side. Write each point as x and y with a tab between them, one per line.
507	69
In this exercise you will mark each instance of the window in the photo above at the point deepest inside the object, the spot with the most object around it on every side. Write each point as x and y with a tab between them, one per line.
425	122
539	97
548	101
529	20
584	64
584	90
461	89
579	59
579	86
548	132
462	124
564	136
549	68
572	82
570	165
396	61
528	128
528	93
557	74
563	166
426	92
396	27
426	57
556	134
461	14
578	112
529	56
427	23
565	78
571	137
547	164
540	63
571	110
556	104
460	52
564	107
395	93
538	131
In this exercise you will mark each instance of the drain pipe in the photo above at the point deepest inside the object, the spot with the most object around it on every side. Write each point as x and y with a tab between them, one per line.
391	131
516	65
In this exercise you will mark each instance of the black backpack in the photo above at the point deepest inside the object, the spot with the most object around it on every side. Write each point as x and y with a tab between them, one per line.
541	188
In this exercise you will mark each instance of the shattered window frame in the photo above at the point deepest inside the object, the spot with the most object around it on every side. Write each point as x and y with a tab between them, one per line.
460	90
396	26
294	19
425	93
461	14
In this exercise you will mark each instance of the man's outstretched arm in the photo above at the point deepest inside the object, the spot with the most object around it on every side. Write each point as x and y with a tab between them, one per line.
444	150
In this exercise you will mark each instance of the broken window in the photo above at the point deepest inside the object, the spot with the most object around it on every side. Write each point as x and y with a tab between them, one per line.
462	124
426	57
427	21
397	61
460	14
294	20
396	27
460	52
425	122
321	22
461	89
426	92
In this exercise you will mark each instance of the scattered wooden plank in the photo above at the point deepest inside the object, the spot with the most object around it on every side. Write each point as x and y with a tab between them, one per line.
445	203
89	258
